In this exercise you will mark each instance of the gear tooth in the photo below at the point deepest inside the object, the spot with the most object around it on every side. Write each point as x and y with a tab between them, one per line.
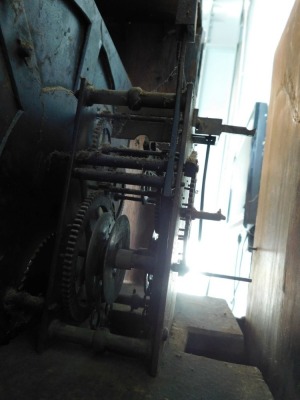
65	287
76	229
66	270
65	276
68	257
67	264
73	237
71	247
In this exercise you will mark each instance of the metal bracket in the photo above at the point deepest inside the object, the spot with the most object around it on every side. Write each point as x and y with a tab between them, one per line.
214	126
204	139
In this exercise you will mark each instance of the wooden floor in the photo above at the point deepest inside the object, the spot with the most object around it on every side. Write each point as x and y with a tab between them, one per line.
273	317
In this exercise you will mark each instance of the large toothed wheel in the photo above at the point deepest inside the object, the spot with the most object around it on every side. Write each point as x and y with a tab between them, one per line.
77	292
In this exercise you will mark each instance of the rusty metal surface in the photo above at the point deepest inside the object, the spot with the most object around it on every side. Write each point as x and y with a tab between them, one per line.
44	50
167	200
168	225
101	159
135	98
214	126
64	125
118	177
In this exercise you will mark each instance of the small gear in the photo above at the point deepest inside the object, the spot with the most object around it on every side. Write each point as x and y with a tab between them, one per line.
102	137
101	134
77	306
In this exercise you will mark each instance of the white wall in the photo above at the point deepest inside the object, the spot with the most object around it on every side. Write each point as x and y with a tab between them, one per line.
267	19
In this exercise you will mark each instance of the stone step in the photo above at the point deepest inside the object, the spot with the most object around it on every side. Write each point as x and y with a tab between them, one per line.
206	326
206	349
193	377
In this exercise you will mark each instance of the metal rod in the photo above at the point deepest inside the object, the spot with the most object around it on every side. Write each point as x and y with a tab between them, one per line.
118	177
128	258
214	126
218	216
194	214
133	152
100	339
134	117
130	198
203	189
135	98
100	159
238	130
233	278
125	190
